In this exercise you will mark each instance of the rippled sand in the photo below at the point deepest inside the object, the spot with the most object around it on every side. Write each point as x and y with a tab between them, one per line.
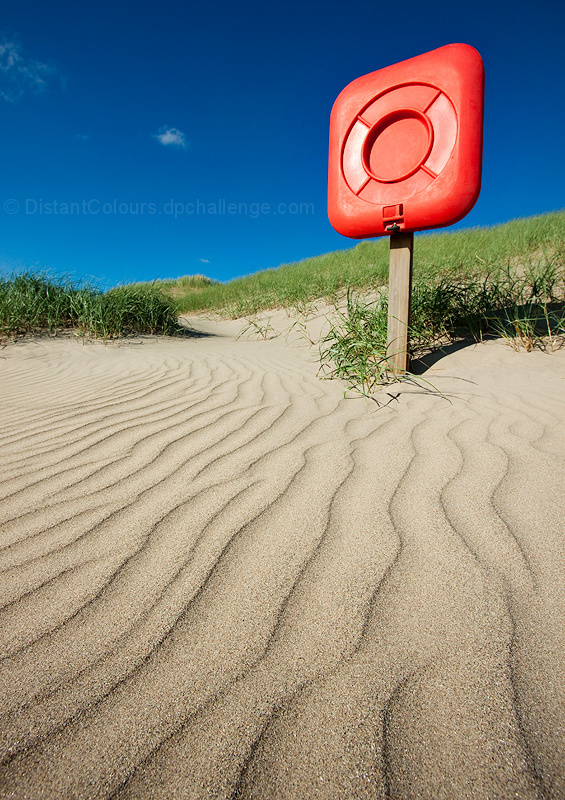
221	579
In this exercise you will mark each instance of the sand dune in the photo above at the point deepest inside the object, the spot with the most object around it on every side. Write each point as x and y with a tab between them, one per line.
222	579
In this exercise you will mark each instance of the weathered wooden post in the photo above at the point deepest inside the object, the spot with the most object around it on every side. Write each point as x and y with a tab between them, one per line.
399	295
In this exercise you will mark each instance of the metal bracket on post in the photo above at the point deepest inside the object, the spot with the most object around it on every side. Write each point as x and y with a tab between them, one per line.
399	292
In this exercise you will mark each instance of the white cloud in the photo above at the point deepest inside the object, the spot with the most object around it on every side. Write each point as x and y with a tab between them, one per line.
171	136
205	260
19	73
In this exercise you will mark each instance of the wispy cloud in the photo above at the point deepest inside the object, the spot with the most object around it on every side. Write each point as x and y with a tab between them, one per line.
205	260
171	136
19	73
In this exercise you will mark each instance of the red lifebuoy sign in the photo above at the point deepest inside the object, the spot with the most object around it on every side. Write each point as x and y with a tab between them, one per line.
406	145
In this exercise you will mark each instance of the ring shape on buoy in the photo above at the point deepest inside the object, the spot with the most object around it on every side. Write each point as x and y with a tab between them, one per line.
399	143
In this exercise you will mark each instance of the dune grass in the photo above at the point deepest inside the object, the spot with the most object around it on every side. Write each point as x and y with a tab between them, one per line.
526	306
35	303
508	281
455	255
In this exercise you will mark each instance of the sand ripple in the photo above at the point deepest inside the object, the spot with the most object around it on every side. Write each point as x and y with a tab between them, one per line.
221	579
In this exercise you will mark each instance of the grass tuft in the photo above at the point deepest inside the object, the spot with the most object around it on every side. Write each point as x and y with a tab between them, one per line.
355	347
34	303
526	307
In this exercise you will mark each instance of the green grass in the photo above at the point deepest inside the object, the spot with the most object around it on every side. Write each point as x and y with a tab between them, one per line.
508	281
526	306
474	253
32	303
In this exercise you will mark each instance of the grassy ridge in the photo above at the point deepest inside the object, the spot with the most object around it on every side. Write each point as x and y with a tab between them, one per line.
511	272
456	255
31	303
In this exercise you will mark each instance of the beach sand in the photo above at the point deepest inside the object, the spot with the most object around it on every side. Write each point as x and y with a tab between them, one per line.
222	579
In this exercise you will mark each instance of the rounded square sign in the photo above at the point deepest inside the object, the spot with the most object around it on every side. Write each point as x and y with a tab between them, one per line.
406	145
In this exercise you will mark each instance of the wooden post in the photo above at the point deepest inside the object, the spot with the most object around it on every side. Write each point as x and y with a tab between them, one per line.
399	291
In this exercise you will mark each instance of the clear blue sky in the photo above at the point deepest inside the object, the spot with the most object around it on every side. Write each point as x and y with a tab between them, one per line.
184	107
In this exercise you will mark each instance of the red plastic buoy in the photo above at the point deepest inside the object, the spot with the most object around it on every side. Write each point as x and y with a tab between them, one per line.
406	145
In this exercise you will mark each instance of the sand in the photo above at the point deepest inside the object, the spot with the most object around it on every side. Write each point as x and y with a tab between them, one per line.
222	579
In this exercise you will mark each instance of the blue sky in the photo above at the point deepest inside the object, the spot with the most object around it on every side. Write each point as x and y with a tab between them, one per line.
125	127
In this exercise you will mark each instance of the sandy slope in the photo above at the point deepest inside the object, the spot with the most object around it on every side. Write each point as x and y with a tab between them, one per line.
221	579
